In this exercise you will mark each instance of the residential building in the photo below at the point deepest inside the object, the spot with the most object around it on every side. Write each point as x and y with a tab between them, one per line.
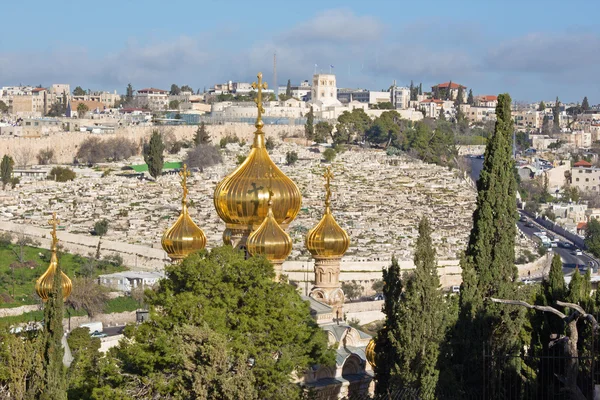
528	119
400	97
541	142
489	101
154	99
128	280
585	178
433	107
453	87
106	98
362	96
478	113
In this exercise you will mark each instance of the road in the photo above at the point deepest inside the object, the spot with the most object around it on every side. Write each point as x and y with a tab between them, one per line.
570	260
113	330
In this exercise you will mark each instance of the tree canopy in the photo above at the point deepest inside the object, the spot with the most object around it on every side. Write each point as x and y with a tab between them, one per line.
153	154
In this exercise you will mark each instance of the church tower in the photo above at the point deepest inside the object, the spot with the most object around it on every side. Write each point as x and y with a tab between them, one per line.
184	237
242	198
328	242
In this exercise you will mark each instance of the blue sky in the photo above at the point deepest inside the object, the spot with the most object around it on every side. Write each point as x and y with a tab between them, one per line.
531	49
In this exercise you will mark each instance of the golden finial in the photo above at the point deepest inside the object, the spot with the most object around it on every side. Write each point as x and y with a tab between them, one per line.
258	100
328	177
184	174
43	285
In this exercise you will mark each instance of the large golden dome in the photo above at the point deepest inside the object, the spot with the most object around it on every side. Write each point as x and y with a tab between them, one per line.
327	239
184	237
270	240
241	198
44	284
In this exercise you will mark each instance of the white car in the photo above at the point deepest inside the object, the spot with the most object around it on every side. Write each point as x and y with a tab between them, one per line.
577	252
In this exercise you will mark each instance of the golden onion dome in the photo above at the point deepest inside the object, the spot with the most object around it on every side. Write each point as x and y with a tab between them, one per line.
45	283
241	198
184	237
269	239
327	239
370	352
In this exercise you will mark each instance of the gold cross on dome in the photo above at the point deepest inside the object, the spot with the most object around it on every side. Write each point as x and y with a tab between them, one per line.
328	177
258	100
54	223
270	175
184	174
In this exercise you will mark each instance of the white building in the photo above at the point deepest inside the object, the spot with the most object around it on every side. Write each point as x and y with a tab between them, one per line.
127	280
400	97
155	99
324	90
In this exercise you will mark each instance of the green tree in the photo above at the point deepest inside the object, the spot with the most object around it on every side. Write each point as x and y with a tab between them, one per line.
556	116
377	286
554	286
352	289
217	314
351	126
546	125
174	105
386	344
270	143
329	154
488	265
291	157
576	294
288	89
585	105
420	315
442	114
522	139
78	91
101	227
82	109
6	170
129	93
61	174
592	237
542	106
186	88
412	91
420	88
385	129
448	92
309	130
470	98
54	379
201	136
323	130
153	154
3	107
460	97
175	91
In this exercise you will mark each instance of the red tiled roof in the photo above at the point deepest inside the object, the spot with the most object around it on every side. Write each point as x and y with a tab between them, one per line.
581	225
445	85
582	163
151	90
488	98
38	90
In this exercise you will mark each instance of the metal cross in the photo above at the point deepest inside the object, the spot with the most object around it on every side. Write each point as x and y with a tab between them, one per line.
54	223
258	100
184	174
328	177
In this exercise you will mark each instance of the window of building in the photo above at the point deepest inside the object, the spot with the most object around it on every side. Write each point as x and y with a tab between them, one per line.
576	179
587	179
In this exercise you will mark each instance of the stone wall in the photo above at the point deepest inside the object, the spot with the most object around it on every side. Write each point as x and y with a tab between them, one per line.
66	144
114	319
11	312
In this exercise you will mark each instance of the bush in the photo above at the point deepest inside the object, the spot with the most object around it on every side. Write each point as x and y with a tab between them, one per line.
240	159
203	155
101	227
228	139
270	144
45	157
14	182
61	174
291	157
94	150
329	155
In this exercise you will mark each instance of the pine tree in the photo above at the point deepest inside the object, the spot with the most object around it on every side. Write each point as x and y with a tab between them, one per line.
55	380
6	170
556	116
488	265
420	322
386	344
470	98
309	129
201	136
153	154
288	89
542	106
585	105
129	93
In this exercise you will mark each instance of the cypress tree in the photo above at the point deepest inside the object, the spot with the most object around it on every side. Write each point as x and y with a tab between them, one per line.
459	97
554	287
442	114
412	90
420	88
386	344
153	154
309	129
575	288
288	89
448	94
488	265
421	322
585	105
542	106
586	289
6	170
470	98
556	116
55	380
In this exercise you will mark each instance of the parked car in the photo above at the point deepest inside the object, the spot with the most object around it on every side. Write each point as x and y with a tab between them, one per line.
577	252
455	289
379	296
97	334
530	224
523	218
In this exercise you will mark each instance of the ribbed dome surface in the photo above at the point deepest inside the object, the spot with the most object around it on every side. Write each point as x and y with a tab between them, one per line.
44	284
184	237
241	198
327	238
270	240
370	352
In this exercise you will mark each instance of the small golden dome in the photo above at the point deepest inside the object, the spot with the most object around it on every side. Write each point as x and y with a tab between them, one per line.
44	284
370	352
270	240
241	198
184	237
327	239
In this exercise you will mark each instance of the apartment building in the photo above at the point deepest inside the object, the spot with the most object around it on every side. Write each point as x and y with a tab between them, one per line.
585	177
154	99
